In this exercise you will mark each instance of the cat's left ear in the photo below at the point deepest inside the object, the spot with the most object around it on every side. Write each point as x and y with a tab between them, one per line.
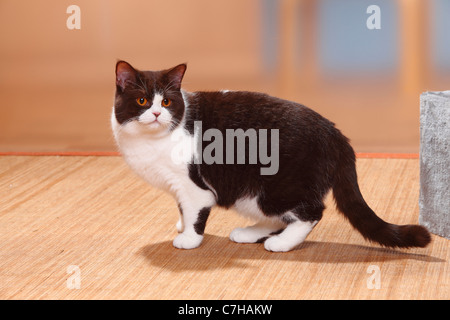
125	74
176	75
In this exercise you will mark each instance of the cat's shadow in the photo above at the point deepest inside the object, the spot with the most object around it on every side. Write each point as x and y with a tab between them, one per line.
218	252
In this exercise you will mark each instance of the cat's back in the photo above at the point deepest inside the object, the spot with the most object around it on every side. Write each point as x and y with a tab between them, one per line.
253	110
239	107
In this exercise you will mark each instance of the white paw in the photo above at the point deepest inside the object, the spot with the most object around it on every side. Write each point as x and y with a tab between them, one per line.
244	235
187	241
180	226
277	244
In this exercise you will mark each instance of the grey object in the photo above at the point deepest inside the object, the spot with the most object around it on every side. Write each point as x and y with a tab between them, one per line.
434	200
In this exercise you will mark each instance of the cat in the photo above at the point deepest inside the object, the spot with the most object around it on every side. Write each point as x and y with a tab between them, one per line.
151	108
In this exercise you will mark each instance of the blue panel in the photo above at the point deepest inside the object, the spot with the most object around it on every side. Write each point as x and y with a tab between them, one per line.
270	25
347	45
440	20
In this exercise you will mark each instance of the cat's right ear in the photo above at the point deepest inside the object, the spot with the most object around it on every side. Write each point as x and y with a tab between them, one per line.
125	74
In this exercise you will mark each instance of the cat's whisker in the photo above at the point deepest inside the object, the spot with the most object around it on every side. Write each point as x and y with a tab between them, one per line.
169	86
142	87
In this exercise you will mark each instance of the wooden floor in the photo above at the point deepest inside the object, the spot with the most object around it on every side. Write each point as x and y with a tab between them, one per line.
57	212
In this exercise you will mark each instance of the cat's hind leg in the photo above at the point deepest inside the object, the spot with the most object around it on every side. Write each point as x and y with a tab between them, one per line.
256	233
301	221
294	234
249	208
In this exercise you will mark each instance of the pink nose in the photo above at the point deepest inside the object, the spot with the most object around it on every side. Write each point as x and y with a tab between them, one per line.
156	114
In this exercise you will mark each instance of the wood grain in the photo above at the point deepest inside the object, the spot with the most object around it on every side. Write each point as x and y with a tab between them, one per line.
94	213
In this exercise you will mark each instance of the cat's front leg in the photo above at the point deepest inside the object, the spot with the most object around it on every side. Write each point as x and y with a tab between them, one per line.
194	226
195	205
180	223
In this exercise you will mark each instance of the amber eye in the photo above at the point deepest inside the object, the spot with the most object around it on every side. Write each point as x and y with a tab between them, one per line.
166	102
141	101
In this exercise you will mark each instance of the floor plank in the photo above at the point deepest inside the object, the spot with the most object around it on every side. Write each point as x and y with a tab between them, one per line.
94	213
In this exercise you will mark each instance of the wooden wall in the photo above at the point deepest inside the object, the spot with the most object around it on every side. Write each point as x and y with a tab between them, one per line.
57	85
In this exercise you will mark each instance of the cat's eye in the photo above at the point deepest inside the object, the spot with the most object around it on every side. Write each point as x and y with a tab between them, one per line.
166	102
141	101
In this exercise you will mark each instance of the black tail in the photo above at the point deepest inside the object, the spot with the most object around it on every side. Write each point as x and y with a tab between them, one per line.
351	203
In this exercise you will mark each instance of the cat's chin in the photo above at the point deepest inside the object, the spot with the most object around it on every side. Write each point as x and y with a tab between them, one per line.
154	126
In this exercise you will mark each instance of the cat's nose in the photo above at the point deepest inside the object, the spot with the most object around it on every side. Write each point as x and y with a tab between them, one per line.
156	113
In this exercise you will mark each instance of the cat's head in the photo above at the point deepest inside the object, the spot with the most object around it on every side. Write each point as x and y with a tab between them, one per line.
151	100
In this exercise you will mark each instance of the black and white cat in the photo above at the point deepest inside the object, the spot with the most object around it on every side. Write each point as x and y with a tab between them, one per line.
312	157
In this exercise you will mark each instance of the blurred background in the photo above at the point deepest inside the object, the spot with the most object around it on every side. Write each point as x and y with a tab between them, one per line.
57	84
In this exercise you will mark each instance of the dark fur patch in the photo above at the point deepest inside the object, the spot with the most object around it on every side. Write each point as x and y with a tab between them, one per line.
203	215
195	176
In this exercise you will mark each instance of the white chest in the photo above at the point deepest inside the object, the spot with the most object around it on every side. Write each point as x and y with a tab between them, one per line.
162	161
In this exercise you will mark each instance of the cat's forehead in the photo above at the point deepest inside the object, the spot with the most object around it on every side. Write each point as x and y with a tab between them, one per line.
153	79
145	83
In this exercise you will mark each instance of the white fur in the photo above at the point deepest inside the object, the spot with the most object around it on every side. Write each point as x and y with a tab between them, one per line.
294	234
148	148
254	233
248	207
153	123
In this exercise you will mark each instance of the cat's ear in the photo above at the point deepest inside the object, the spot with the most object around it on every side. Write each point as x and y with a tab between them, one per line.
125	73
176	75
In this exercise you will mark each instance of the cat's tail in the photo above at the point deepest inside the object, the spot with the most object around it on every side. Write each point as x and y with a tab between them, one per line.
351	203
